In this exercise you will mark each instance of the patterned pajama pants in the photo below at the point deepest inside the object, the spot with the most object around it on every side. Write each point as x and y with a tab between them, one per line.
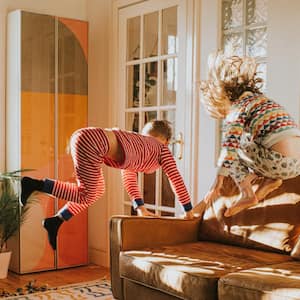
264	162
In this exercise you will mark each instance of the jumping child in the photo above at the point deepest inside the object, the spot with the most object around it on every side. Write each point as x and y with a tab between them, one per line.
259	137
129	151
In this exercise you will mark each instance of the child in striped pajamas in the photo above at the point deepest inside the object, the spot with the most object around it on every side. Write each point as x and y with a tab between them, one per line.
131	152
259	137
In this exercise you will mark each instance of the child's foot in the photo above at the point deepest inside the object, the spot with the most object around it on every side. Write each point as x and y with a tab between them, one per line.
52	225
28	186
240	205
266	187
250	178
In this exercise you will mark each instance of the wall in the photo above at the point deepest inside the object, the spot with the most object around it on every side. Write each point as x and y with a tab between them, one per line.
99	13
209	41
284	54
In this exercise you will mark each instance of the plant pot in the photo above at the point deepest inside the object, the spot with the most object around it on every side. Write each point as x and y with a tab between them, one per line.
4	263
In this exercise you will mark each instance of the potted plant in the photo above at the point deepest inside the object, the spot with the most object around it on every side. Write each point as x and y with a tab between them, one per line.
12	215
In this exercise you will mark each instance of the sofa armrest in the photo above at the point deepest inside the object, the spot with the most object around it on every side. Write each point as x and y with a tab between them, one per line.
132	233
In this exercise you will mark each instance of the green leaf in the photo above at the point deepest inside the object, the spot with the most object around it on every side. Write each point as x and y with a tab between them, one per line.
12	215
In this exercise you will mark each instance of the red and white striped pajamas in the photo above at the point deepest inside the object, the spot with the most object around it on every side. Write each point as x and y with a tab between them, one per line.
89	148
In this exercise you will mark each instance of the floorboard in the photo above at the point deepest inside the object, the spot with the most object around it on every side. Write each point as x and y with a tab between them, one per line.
54	278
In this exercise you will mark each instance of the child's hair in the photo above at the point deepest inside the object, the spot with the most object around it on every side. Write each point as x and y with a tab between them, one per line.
158	128
228	78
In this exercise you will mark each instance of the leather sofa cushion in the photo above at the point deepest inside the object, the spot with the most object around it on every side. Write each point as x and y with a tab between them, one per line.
278	281
191	270
296	250
272	225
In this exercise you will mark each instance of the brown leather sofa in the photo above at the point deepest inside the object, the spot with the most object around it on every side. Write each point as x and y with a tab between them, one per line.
245	257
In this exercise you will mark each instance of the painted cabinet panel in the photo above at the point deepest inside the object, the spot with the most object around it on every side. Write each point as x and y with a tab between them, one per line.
46	102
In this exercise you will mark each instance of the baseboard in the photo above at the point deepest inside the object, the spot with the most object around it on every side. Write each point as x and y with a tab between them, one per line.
98	257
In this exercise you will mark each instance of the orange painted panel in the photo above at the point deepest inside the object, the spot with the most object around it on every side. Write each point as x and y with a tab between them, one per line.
80	30
72	239
37	152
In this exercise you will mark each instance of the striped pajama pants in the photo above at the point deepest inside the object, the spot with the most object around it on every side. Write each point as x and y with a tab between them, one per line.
88	147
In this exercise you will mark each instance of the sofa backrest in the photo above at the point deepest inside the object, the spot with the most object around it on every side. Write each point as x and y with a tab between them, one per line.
272	225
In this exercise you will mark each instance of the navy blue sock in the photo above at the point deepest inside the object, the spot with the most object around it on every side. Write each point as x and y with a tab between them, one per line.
48	186
52	225
28	186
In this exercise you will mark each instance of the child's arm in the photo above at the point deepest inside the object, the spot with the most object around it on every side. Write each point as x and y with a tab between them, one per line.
130	183
168	165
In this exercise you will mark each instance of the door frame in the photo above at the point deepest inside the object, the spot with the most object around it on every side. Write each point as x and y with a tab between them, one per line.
191	114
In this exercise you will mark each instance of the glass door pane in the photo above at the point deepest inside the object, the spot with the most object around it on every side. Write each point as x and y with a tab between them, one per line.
150	83
133	86
169	31
149	116
133	121
150	34
133	38
149	183
167	195
169	81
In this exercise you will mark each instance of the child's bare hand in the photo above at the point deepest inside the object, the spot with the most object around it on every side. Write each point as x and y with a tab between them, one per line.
142	211
189	215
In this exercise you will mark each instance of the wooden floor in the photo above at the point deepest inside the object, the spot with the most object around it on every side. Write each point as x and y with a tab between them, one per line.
54	278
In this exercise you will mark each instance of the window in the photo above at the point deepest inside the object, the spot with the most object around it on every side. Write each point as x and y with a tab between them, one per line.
244	30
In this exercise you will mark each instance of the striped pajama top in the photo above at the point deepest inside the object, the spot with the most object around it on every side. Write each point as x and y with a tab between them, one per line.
146	154
260	117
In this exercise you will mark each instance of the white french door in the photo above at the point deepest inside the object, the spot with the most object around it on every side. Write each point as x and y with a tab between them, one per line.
152	68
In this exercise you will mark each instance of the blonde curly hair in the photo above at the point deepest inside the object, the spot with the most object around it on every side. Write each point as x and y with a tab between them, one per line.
228	78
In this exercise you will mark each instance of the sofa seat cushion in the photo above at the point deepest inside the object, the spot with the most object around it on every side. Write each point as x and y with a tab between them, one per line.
278	281
191	270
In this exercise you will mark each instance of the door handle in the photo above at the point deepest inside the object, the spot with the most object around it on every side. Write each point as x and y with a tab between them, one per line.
179	140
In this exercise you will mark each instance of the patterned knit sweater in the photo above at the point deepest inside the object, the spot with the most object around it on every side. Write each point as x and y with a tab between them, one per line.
256	115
